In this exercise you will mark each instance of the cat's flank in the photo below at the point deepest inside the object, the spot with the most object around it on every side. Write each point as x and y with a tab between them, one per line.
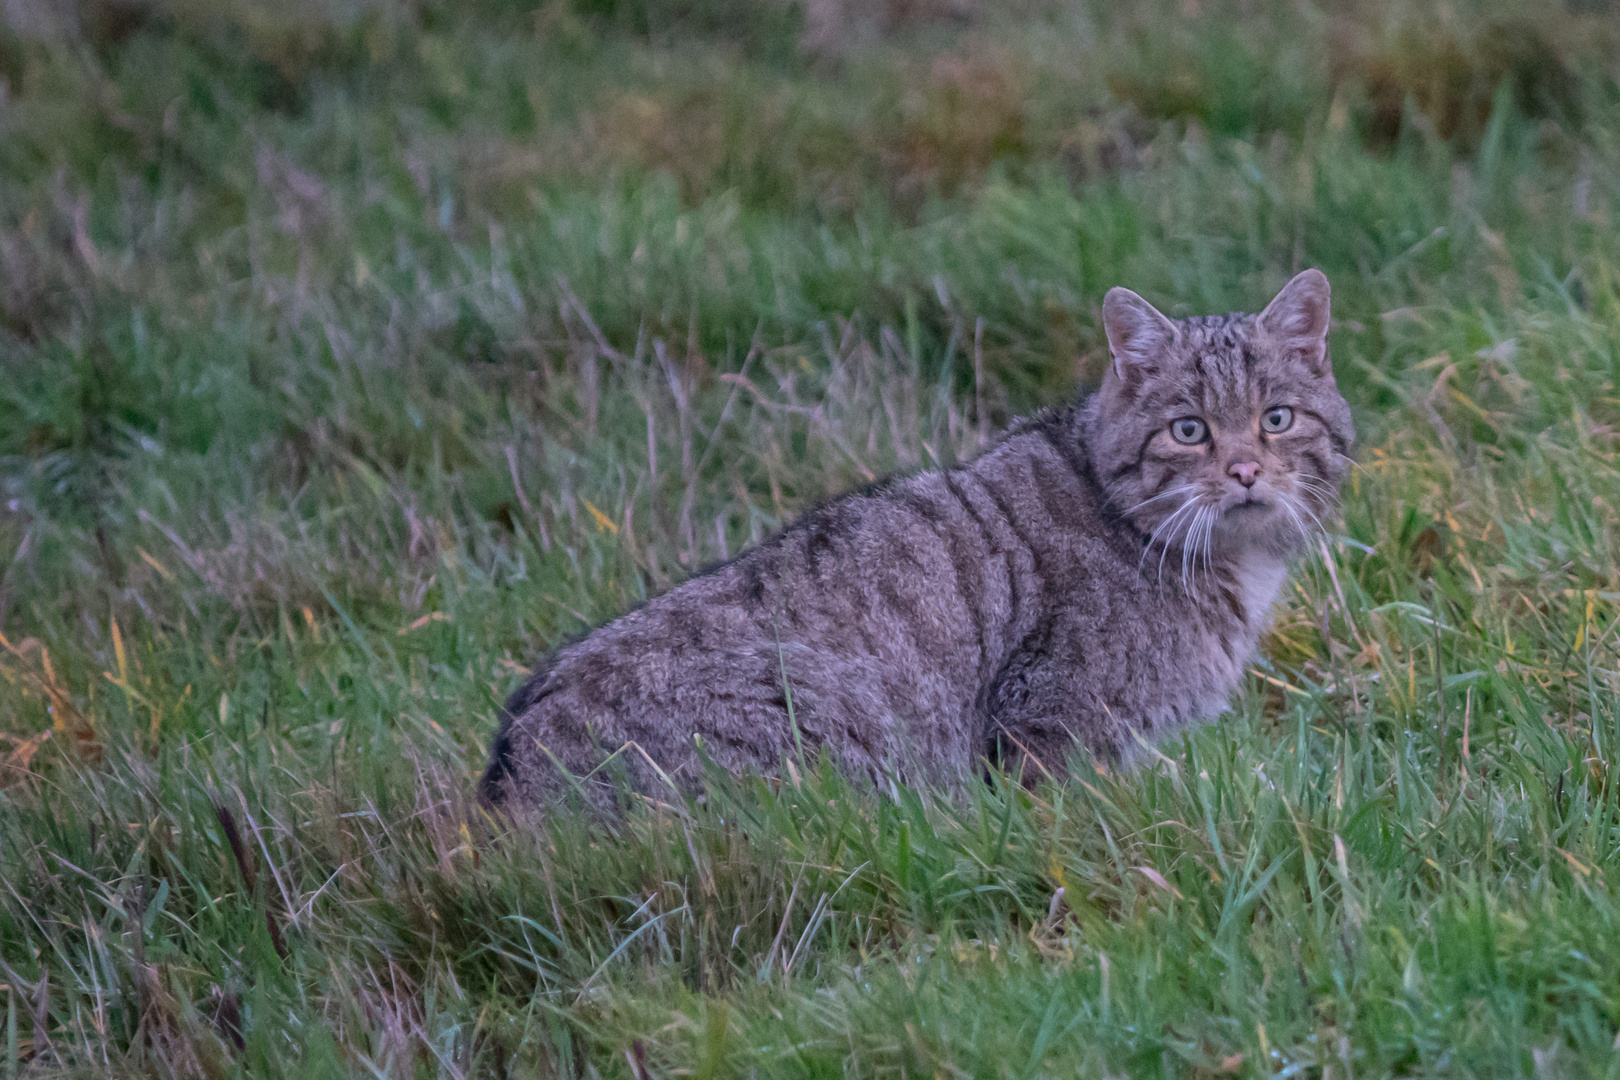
1098	577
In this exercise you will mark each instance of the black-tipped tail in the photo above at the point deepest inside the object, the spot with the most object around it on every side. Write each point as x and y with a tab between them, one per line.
495	785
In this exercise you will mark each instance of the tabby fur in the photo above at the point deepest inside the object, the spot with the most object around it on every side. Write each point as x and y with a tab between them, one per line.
1088	581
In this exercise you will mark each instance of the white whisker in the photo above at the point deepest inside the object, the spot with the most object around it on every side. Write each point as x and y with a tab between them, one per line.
1162	526
1209	546
1183	489
1189	550
1316	486
1293	507
1327	496
1188	505
1287	505
1206	541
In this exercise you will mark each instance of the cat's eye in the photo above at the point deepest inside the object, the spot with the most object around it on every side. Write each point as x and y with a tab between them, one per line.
1277	420
1188	431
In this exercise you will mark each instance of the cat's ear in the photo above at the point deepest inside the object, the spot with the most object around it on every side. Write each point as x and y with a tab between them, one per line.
1138	335
1296	321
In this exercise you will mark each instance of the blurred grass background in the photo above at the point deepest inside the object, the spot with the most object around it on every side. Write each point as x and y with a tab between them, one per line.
352	352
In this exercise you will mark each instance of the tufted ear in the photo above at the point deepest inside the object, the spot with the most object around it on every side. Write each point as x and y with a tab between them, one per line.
1138	335
1297	319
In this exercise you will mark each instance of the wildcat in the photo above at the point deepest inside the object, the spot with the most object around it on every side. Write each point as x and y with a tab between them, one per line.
1099	577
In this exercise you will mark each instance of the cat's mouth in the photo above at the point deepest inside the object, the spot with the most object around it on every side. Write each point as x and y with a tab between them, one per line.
1248	503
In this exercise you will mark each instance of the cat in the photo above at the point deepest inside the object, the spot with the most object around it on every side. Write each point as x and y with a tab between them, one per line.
1098	578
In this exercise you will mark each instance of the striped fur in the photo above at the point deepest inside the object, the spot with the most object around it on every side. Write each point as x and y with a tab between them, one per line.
1086	581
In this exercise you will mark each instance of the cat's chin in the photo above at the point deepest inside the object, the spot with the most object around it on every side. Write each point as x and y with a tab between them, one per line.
1255	525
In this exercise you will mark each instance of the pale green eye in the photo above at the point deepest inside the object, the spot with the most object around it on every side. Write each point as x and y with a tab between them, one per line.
1277	420
1188	431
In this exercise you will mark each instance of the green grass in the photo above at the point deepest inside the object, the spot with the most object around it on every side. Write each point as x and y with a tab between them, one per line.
353	354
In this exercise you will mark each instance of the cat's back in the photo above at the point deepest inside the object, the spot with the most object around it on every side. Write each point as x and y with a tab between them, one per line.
865	629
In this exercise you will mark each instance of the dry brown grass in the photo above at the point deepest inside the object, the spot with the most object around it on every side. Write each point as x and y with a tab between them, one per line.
926	126
1446	68
832	27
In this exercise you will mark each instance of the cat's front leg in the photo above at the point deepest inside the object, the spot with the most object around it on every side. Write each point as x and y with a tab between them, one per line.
1047	745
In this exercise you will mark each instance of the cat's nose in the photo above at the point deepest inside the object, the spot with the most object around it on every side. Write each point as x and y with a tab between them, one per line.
1244	472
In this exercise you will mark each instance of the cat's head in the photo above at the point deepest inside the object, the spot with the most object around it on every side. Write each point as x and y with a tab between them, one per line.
1217	435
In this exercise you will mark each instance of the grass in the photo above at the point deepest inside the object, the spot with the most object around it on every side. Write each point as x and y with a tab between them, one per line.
351	354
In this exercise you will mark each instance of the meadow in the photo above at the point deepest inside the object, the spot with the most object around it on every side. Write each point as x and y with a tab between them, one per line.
354	352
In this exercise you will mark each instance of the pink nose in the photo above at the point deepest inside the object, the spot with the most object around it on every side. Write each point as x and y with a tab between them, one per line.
1244	472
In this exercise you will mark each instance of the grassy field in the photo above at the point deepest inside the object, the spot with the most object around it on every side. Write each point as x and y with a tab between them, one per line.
353	352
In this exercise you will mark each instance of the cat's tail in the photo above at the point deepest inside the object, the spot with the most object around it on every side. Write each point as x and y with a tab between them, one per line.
500	776
545	755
